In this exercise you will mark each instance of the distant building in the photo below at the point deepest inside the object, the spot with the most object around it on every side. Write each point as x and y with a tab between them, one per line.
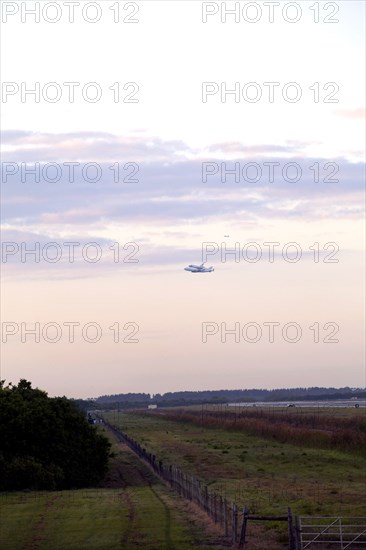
152	406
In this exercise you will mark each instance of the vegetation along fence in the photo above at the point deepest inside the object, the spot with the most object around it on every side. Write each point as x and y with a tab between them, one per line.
224	513
304	532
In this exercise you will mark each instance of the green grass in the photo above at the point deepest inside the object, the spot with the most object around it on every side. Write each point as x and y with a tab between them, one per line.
142	517
261	473
68	519
141	514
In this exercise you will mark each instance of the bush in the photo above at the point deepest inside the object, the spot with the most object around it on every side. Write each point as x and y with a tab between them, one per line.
47	443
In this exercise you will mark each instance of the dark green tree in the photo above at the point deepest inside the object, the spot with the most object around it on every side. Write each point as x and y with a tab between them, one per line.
47	443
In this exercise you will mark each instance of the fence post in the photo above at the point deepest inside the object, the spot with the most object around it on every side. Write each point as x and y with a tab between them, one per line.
234	535
291	544
225	518
177	477
243	530
205	499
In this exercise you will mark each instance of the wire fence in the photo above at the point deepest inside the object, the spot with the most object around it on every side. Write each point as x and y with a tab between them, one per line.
223	512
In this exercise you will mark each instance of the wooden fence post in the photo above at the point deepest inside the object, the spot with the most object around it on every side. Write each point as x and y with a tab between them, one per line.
243	530
225	518
291	543
221	515
234	535
170	476
205	499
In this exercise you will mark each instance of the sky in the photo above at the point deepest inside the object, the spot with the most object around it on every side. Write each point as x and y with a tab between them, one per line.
140	137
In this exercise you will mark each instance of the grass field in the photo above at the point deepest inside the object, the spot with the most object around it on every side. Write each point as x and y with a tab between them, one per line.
133	511
260	472
69	519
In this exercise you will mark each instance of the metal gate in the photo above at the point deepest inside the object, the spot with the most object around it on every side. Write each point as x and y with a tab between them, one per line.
333	533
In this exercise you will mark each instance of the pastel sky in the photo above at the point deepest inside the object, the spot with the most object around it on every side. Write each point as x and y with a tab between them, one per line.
172	195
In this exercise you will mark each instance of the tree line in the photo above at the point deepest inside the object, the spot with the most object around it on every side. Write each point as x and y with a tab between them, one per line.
127	400
47	443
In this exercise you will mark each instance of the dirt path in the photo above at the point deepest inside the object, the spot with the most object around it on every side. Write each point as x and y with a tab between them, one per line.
126	498
168	537
39	527
127	472
143	476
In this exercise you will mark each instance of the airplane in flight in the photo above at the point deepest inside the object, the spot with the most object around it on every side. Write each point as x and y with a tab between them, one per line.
199	268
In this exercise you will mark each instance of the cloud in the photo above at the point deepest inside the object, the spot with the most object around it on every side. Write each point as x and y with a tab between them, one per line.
24	146
169	193
43	147
291	147
359	113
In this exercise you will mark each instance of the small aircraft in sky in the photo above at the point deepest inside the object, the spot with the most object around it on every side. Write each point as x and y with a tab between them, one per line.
199	268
